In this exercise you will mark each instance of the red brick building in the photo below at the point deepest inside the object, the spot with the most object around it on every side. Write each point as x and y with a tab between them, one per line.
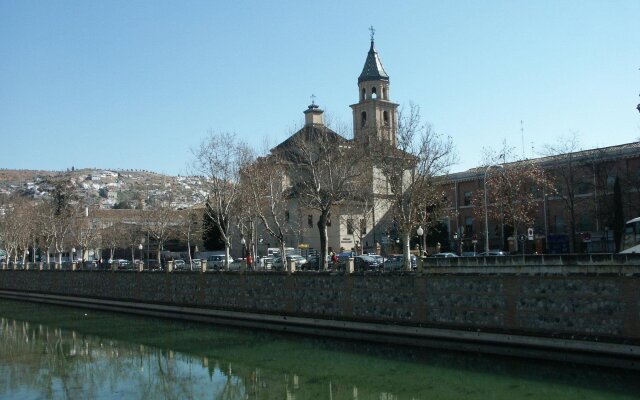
584	183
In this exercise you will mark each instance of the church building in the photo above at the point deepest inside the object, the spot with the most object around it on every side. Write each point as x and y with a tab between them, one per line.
350	227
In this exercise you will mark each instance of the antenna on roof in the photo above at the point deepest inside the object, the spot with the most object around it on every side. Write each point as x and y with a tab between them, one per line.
522	135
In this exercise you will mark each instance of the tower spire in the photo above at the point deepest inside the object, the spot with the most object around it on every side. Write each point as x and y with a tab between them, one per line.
374	116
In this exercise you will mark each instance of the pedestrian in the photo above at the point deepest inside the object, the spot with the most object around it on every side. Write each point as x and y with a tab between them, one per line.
249	262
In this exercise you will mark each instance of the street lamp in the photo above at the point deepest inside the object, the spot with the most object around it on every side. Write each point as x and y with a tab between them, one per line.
140	247
486	215
244	243
420	233
455	240
73	254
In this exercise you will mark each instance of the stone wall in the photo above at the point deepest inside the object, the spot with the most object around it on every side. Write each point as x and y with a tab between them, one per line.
549	304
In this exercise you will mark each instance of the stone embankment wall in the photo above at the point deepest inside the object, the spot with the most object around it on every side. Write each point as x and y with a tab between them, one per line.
587	301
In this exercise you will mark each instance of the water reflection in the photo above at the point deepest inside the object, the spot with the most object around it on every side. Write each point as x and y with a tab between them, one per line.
55	352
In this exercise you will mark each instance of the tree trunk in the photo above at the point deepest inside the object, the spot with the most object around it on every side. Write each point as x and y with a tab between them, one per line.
189	253
324	240
283	255
406	251
227	254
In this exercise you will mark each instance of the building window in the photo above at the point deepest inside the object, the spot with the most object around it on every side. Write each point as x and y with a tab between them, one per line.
362	95
559	224
385	117
611	181
583	187
585	223
374	94
349	226
468	225
384	93
467	198
310	220
363	119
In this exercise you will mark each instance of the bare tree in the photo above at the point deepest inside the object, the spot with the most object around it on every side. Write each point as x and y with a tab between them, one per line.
60	211
160	222
267	192
566	172
325	170
132	233
45	217
220	159
190	228
405	175
112	237
84	232
514	192
16	227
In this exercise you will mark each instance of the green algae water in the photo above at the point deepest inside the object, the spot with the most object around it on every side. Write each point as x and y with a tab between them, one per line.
49	352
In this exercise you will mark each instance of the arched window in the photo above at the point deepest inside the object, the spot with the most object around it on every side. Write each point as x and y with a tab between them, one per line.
363	119
385	117
384	93
362	94
374	94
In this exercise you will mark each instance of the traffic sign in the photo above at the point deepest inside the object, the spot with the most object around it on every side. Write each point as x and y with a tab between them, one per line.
530	233
522	238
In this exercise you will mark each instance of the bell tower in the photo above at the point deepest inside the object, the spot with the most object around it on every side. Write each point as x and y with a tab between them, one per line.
374	116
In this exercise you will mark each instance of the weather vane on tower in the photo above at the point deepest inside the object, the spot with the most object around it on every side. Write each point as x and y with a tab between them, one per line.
373	32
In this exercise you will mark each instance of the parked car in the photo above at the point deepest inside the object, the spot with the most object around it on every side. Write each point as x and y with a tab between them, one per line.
381	260
180	265
300	261
313	261
444	255
277	262
366	263
216	262
493	253
264	263
469	254
396	263
152	265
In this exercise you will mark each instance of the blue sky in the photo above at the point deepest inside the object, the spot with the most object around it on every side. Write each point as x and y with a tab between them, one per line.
137	84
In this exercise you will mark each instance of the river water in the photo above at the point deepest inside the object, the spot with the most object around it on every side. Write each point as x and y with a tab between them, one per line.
68	353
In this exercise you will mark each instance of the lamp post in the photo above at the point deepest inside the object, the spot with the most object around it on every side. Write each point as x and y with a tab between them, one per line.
140	247
73	254
244	243
420	233
486	215
455	239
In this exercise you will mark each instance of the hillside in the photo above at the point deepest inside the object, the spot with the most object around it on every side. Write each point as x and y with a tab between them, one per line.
107	188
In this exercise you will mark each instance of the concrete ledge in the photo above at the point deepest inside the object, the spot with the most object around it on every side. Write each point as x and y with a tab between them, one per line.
577	351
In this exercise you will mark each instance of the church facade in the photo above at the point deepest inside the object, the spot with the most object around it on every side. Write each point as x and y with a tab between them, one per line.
351	227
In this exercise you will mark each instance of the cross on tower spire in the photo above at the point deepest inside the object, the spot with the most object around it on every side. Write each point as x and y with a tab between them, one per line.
373	32
313	99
